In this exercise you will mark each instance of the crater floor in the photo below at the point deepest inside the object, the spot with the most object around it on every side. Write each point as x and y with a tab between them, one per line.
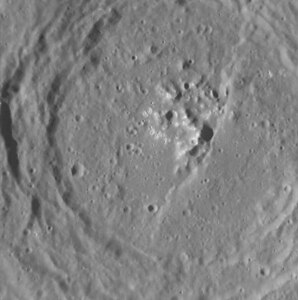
149	150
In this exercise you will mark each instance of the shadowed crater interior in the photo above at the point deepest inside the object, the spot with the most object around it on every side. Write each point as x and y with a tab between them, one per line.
206	133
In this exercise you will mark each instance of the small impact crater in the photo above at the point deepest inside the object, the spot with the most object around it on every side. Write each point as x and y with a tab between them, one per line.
152	208
77	170
206	133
